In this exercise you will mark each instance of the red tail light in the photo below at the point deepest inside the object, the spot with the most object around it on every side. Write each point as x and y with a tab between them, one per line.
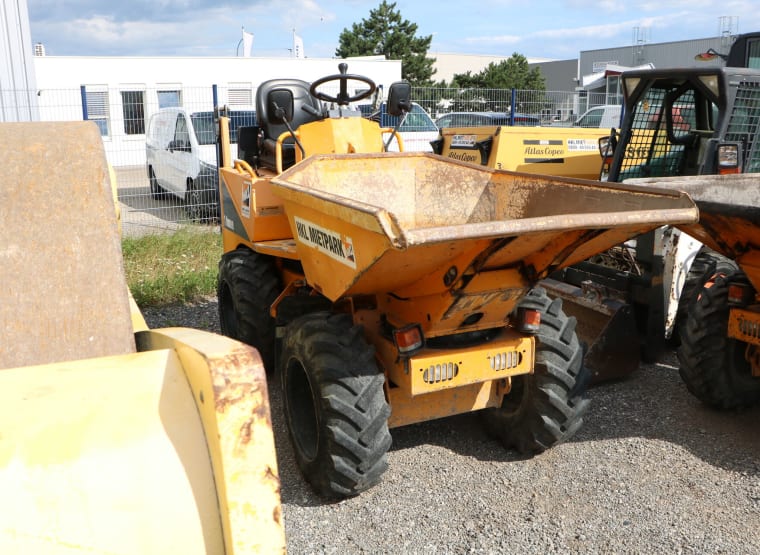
408	339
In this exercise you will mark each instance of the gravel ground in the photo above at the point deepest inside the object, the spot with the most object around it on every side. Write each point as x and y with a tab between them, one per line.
651	471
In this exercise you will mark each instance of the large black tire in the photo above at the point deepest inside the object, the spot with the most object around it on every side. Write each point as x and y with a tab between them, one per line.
546	407
334	404
158	192
247	286
701	269
712	365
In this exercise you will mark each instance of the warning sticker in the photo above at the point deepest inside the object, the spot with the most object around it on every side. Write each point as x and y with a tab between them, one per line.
576	145
245	204
463	141
329	242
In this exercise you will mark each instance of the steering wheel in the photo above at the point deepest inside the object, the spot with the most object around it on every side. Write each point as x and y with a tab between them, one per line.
342	99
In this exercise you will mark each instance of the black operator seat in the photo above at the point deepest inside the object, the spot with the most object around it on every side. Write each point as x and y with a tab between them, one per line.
271	131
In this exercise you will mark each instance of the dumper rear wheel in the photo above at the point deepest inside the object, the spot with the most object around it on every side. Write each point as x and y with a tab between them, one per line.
712	365
546	407
247	286
334	404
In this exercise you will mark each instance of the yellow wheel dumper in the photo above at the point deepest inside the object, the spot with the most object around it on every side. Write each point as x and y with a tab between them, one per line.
113	438
394	288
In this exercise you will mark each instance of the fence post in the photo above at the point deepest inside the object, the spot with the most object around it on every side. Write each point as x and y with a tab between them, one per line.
512	104
83	92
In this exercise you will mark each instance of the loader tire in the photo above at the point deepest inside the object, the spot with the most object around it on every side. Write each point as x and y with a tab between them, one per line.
701	269
247	286
334	404
712	365
546	407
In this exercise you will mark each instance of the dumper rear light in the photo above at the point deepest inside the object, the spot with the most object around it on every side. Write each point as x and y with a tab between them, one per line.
528	320
729	160
408	339
740	294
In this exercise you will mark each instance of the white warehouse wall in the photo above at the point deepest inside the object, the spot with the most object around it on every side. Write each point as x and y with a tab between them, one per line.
17	87
59	80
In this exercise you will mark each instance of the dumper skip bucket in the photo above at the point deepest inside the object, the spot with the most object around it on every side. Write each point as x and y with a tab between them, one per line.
374	223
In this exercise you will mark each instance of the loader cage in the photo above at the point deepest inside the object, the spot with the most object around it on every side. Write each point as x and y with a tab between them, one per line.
671	122
744	124
676	119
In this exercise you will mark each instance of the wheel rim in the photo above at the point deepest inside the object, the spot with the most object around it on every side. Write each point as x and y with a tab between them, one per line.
303	414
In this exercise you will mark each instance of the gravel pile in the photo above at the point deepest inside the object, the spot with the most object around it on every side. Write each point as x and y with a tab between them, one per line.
651	471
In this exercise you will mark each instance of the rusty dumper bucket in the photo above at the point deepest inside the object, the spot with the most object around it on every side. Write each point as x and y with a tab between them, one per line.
447	242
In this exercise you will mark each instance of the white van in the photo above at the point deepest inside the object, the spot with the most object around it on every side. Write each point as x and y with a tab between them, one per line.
416	132
180	149
606	117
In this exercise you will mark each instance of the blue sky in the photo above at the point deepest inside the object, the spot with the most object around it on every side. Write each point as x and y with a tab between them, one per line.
554	30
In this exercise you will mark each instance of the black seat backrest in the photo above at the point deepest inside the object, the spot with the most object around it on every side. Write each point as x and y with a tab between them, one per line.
271	131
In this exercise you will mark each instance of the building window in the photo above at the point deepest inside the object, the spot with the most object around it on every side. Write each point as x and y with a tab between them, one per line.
169	99
97	110
133	107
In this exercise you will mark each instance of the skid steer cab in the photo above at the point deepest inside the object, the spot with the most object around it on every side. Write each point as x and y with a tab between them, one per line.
394	288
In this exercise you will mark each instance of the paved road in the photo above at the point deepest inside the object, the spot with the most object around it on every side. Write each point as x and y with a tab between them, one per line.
140	212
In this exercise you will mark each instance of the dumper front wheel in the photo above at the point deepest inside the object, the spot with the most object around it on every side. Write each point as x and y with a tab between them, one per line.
546	407
334	404
247	286
712	365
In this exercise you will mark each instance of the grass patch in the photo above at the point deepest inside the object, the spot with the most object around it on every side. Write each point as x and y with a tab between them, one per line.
172	268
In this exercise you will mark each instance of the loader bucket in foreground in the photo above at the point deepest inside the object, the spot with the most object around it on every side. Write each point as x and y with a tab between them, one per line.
463	237
112	442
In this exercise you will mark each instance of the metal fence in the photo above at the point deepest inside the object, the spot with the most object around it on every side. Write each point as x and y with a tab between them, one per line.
123	116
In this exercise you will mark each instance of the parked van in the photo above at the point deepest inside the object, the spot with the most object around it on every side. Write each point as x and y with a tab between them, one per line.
180	148
606	117
416	132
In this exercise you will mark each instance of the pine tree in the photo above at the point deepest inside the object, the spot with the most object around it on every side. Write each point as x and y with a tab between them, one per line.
386	33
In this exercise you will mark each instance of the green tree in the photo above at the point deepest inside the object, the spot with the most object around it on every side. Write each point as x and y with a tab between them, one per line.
384	32
512	73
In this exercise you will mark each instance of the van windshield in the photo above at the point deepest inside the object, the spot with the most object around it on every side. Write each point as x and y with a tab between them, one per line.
416	120
205	132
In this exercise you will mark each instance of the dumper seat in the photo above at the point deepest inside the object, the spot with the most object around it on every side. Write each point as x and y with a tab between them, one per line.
301	98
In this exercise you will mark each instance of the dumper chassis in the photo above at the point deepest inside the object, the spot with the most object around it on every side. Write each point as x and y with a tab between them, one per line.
395	288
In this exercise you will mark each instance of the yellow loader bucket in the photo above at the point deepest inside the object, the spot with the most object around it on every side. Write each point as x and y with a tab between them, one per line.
111	441
729	215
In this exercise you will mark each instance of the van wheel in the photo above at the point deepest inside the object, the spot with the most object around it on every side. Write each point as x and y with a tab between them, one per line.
156	190
544	408
200	204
